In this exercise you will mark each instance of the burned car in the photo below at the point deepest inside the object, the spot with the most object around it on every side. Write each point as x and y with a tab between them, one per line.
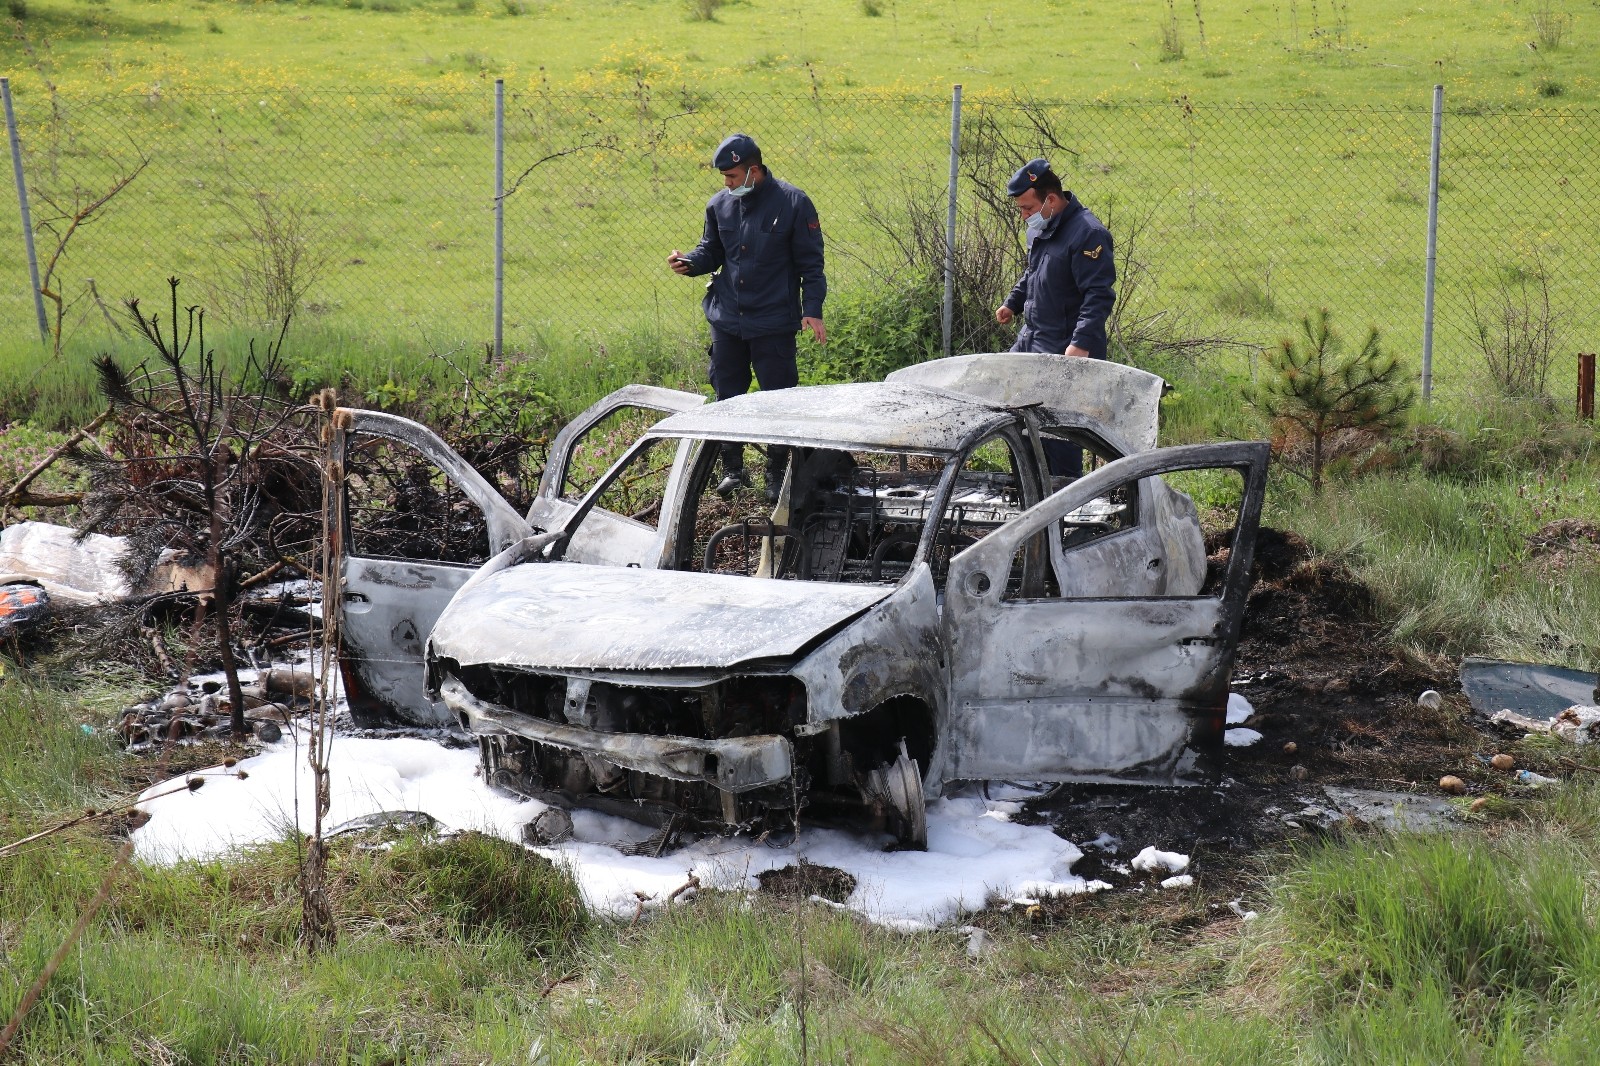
923	605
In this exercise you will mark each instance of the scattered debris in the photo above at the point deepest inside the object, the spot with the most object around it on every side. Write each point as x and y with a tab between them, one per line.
1578	725
22	604
979	943
1244	915
87	569
1452	784
1430	700
1314	816
193	712
1179	881
806	879
393	820
553	826
1392	810
1533	780
1563	544
1502	761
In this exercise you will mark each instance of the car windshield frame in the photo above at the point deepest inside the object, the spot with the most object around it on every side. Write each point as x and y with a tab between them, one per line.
938	494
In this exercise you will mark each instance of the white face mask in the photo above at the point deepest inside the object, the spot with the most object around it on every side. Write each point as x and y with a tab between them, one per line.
1035	226
749	183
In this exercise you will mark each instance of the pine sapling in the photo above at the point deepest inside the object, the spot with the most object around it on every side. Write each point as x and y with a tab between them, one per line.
1311	389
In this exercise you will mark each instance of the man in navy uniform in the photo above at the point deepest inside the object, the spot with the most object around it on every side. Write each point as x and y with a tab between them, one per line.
764	241
1066	293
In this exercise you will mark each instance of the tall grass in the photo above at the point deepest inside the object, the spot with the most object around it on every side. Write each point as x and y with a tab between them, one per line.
1449	561
1451	947
1437	521
563	372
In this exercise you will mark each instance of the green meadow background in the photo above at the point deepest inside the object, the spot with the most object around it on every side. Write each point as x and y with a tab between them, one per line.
1271	158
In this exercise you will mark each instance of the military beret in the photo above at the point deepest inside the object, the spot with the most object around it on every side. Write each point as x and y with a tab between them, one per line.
1029	177
740	148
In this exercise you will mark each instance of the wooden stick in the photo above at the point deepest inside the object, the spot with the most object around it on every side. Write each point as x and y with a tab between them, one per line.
256	579
43	464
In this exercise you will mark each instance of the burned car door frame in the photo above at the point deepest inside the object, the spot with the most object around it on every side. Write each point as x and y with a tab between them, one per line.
387	606
1093	688
604	537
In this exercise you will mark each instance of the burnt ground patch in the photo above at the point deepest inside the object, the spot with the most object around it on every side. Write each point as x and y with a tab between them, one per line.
805	879
1335	703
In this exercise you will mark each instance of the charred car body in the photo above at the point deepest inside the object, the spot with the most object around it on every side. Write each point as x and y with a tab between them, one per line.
922	606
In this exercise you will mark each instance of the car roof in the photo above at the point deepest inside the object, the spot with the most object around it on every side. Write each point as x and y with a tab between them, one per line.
875	415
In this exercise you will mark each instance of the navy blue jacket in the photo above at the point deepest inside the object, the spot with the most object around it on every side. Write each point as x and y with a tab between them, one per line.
1066	294
767	249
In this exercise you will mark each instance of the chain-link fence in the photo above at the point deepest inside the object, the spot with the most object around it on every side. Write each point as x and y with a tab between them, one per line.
372	215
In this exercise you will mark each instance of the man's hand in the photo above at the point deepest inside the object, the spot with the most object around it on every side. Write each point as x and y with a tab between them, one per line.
1003	314
1073	349
817	329
677	262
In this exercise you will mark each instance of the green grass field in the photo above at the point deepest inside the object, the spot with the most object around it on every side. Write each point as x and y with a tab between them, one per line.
1278	165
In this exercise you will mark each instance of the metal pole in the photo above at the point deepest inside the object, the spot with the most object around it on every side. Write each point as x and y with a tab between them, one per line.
1586	385
27	218
499	215
946	320
1433	246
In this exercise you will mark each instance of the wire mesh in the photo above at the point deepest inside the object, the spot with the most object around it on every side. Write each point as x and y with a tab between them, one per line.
372	214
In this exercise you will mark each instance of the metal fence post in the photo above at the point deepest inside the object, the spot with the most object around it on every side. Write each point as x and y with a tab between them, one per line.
499	215
948	318
1433	246
22	200
1586	386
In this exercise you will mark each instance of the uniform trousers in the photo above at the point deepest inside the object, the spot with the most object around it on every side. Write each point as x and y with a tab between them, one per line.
734	360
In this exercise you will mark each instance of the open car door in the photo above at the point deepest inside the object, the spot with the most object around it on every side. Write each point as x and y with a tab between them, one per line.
1089	687
582	453
411	522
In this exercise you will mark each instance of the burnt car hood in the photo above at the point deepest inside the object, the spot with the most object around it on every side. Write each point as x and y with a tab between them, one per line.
571	616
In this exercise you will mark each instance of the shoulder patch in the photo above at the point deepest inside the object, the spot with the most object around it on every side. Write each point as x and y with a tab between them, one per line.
1093	253
814	224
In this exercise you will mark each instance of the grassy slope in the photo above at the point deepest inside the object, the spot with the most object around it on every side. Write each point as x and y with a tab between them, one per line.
1462	948
1261	219
1353	52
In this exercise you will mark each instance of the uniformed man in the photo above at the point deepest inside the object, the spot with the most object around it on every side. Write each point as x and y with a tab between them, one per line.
1065	295
764	241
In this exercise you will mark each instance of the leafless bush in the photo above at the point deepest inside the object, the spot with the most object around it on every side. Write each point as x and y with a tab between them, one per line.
704	10
1141	327
990	255
201	463
1550	25
1171	36
68	214
1517	332
270	259
988	259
